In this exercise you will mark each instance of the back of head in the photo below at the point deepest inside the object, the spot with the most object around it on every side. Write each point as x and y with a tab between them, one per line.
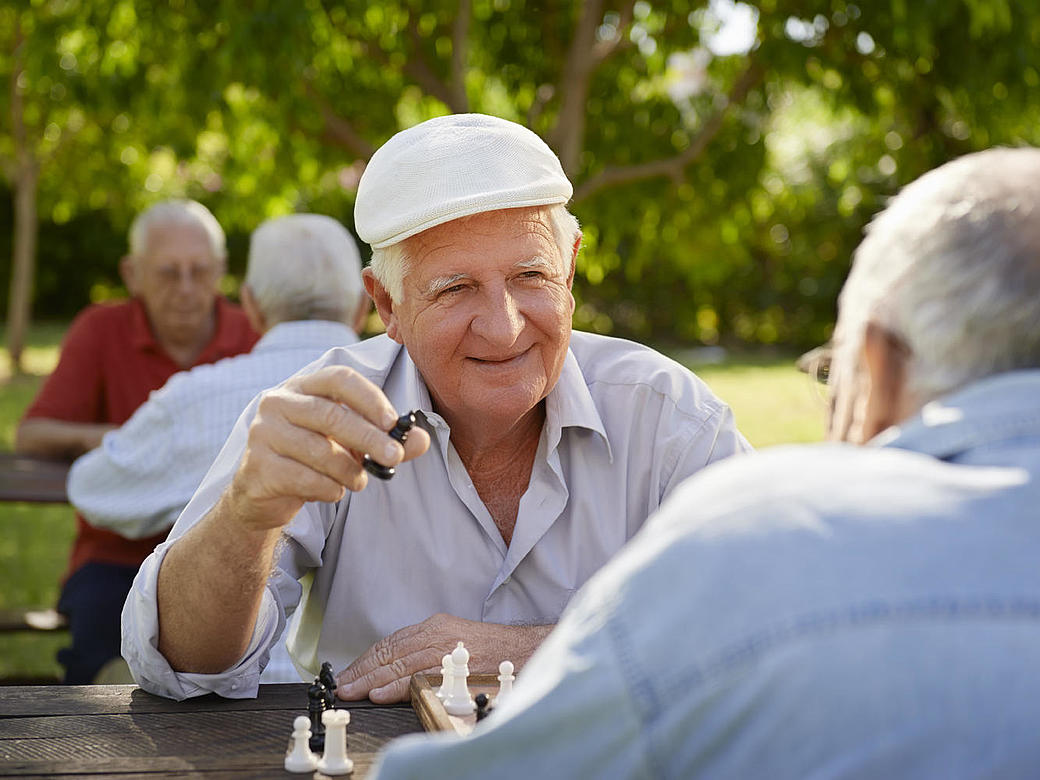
304	267
175	212
952	267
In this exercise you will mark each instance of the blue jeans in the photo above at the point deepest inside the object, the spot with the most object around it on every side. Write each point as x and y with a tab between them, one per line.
92	600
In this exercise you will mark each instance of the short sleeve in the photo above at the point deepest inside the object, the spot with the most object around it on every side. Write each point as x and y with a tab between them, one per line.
74	392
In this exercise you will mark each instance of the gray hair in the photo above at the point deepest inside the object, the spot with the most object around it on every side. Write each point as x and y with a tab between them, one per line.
177	212
304	267
390	264
952	267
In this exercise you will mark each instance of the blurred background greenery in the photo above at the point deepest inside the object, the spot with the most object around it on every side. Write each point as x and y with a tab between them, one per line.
726	157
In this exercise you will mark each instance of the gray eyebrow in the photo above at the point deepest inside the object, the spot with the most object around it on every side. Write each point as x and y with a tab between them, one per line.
535	262
439	283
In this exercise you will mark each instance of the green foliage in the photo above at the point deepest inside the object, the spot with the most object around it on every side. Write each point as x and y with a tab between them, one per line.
721	196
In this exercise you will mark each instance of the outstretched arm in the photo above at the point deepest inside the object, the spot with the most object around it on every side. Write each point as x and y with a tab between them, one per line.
304	444
58	438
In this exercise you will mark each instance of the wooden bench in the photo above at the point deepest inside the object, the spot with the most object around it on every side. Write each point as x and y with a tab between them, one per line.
31	620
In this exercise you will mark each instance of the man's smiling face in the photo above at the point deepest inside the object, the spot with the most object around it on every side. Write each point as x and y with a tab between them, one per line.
486	313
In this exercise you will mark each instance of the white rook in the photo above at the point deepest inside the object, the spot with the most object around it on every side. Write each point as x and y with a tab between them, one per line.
334	761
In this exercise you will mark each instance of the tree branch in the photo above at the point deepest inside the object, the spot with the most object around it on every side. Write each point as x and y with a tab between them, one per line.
460	54
675	166
337	129
568	135
421	73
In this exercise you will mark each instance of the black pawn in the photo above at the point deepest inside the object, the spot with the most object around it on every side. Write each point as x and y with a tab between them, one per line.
316	706
400	433
482	702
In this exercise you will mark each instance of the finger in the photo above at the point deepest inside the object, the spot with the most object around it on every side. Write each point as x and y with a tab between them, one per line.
396	691
342	424
312	450
346	386
397	668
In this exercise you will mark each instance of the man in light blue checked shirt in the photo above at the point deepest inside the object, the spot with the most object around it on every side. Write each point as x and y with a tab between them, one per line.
303	292
832	610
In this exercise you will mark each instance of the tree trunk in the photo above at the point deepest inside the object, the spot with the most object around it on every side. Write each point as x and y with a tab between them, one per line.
23	263
26	177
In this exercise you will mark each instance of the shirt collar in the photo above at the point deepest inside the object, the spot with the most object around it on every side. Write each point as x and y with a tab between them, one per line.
568	405
985	412
141	335
305	333
225	341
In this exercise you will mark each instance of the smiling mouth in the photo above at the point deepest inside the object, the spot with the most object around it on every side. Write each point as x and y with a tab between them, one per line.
499	361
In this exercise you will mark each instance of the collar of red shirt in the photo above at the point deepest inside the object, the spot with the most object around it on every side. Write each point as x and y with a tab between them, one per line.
224	341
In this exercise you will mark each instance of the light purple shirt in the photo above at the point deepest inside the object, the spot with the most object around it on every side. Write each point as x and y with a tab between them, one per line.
624	425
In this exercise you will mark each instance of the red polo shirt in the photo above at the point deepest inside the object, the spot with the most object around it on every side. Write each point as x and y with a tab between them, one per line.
109	363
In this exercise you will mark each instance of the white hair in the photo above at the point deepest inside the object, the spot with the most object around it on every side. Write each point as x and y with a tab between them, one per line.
391	264
177	212
304	267
952	268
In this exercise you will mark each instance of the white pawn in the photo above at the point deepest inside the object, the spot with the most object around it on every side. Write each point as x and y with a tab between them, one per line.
458	701
505	680
445	676
300	758
334	760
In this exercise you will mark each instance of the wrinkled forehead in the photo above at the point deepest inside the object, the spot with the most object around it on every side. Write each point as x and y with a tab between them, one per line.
178	240
529	230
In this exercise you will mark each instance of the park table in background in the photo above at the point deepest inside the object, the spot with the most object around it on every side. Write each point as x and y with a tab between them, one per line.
33	479
105	730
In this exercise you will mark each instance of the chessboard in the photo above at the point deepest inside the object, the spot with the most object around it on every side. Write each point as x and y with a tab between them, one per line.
430	709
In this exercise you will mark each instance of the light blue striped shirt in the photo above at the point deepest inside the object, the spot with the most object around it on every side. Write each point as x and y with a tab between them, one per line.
145	472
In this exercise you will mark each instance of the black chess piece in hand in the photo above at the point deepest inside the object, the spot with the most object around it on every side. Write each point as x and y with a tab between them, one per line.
399	432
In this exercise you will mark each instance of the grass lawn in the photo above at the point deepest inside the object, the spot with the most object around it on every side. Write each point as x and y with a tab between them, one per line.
773	403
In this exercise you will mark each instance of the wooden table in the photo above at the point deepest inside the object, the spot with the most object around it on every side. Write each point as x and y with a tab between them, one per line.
28	478
121	731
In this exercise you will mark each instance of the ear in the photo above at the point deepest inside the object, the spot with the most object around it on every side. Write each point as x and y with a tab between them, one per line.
364	306
574	258
887	402
384	304
252	309
128	272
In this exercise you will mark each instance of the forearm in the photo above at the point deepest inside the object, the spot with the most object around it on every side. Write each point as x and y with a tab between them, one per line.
210	588
58	438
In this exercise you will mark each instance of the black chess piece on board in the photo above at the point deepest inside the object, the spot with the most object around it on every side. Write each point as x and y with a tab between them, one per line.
399	432
328	681
483	706
316	706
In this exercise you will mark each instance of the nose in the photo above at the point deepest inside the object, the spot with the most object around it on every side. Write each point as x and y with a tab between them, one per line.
500	320
185	280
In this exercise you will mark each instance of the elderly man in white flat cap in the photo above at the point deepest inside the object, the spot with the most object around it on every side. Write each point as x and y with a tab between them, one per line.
542	451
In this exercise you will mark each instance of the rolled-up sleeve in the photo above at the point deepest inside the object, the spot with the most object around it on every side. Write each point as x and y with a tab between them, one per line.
303	542
140	644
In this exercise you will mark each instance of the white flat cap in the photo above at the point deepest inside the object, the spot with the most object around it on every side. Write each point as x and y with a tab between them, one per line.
451	167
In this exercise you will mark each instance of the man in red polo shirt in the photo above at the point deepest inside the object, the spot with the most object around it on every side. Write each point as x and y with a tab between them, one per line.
112	357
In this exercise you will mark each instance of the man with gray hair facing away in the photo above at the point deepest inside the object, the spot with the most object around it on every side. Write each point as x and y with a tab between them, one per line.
303	292
112	356
832	610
